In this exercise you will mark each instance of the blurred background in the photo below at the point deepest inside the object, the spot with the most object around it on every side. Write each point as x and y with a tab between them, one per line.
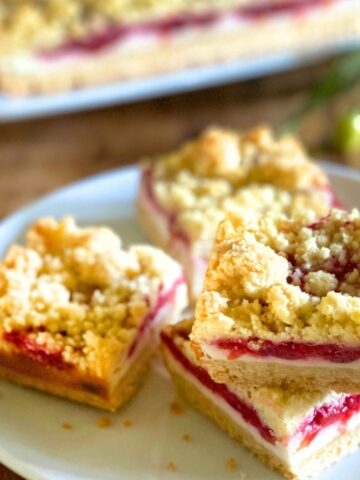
49	138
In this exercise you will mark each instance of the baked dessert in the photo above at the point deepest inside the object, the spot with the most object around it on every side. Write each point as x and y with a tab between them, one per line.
185	194
298	433
281	303
42	42
80	316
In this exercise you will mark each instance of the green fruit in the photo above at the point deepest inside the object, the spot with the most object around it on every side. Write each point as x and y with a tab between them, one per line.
347	133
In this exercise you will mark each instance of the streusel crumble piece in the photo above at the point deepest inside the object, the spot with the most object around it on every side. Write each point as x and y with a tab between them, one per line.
79	314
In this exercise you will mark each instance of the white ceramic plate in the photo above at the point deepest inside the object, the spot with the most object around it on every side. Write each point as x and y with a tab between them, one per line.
32	440
12	109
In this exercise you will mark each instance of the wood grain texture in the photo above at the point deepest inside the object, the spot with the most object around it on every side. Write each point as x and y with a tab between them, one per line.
42	155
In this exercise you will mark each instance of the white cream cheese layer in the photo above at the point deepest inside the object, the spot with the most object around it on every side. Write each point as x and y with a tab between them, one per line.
286	452
217	353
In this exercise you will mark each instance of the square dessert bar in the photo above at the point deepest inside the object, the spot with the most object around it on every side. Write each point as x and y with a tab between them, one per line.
185	194
296	432
80	316
281	303
56	45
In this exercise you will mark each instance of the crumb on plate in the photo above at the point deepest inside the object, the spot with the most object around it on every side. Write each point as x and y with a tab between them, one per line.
128	423
170	467
231	464
104	422
176	408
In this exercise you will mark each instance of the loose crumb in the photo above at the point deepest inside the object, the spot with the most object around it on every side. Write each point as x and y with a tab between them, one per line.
67	426
128	423
170	467
186	437
104	422
176	408
231	464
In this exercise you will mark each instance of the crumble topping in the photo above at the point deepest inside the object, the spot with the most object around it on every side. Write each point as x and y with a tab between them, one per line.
47	23
280	279
75	291
222	172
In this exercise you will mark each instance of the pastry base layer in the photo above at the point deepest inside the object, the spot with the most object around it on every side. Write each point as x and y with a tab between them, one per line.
70	384
339	377
312	465
322	29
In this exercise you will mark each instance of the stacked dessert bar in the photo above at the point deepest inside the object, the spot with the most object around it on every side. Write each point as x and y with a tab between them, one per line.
272	353
186	193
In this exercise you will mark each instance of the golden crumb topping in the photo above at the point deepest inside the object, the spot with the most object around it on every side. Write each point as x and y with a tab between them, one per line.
76	291
28	24
279	279
222	172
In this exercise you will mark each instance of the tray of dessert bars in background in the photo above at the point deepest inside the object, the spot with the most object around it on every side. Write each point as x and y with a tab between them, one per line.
13	109
152	437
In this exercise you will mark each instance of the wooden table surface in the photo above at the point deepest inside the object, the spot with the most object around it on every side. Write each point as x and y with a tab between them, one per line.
41	155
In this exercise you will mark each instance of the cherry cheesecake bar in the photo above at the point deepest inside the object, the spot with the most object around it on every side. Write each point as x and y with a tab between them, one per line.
281	303
185	194
56	45
298	433
80	316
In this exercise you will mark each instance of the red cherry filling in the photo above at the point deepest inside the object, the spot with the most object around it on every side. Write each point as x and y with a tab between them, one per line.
288	350
248	413
338	412
163	27
164	298
326	415
37	352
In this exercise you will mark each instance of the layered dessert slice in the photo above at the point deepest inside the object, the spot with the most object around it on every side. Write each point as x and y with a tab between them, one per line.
80	316
55	45
281	303
298	433
185	194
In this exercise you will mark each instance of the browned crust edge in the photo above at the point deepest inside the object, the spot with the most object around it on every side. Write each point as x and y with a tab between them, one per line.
206	48
72	384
